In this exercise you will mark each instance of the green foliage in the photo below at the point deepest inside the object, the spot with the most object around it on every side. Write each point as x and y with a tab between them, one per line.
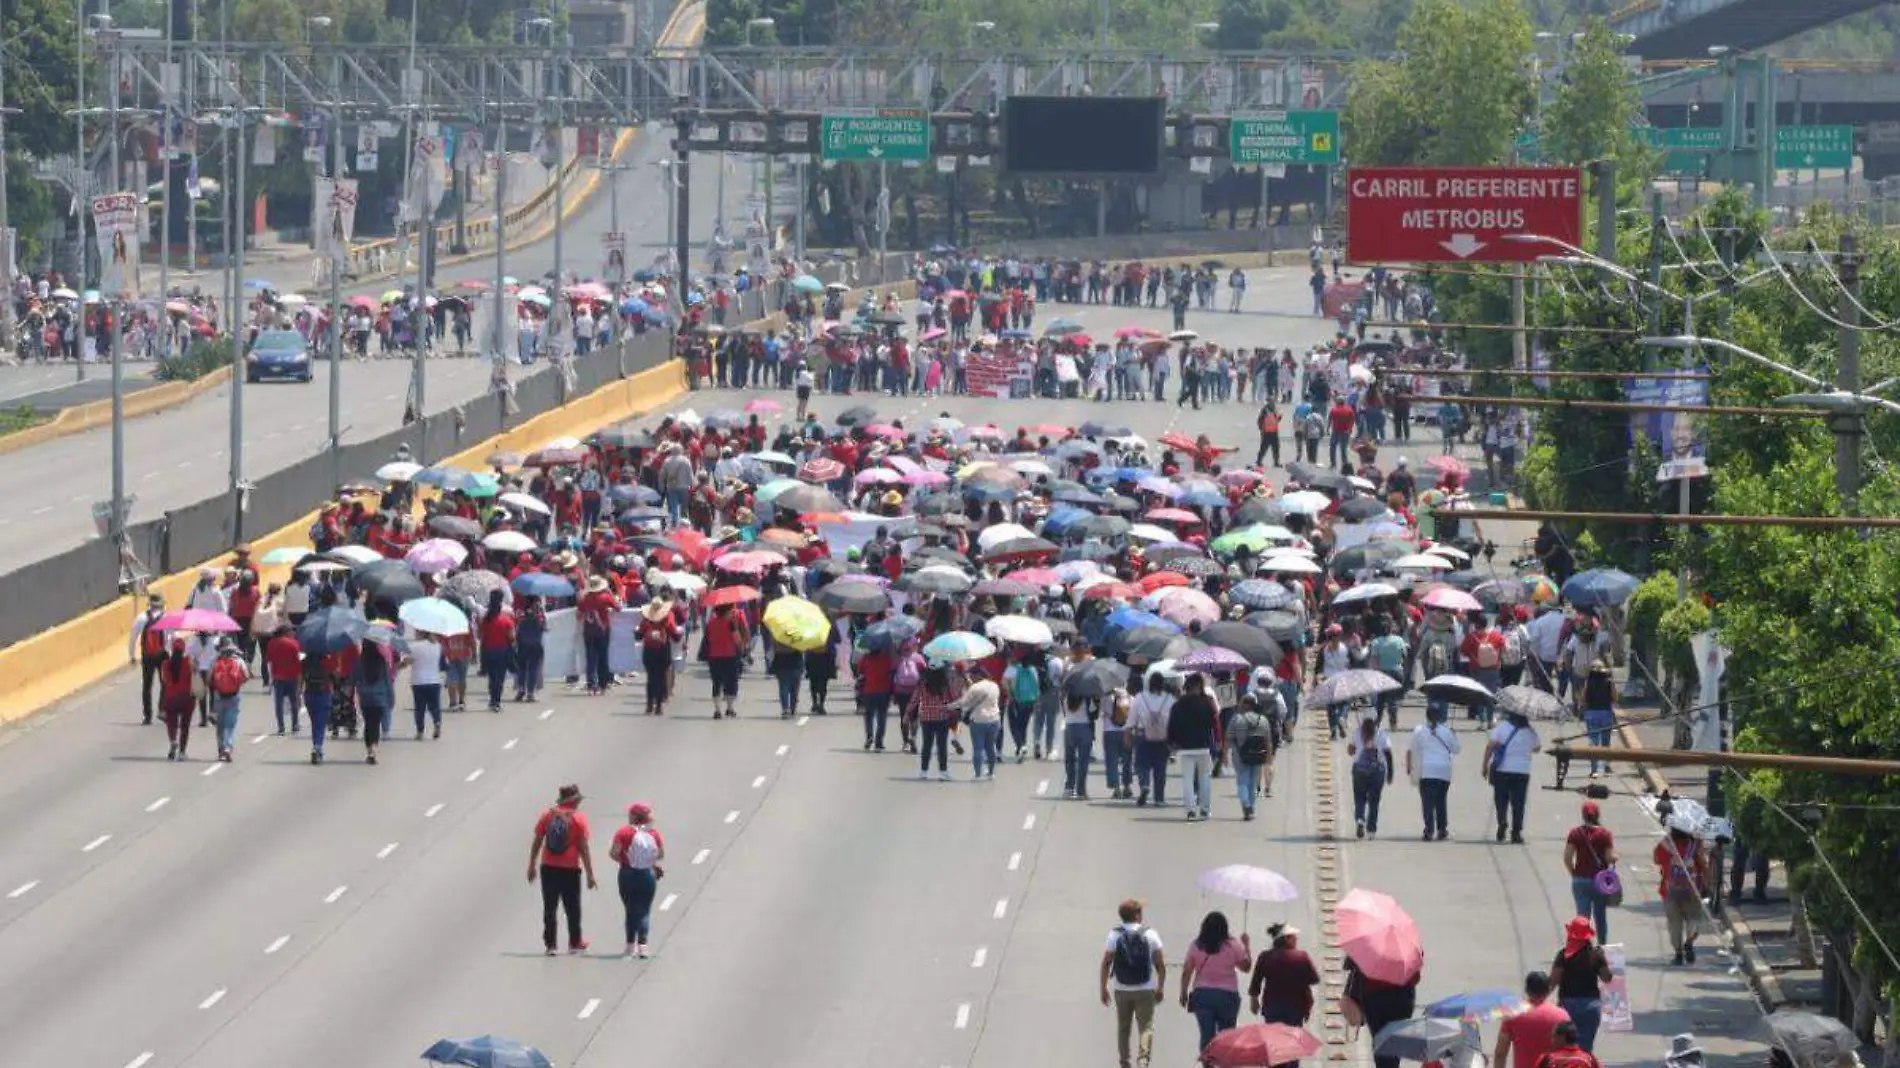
22	417
1590	115
1654	597
1458	93
204	357
1675	627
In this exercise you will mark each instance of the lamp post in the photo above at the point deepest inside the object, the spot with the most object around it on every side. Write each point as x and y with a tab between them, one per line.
7	245
762	165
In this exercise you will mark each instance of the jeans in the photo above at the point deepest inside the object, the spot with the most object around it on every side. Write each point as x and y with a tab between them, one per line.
933	734
1214	1010
1197	780
529	661
1018	715
1599	722
1151	769
495	666
675	500
1509	791
560	887
1246	783
1587	1014
283	694
1583	892
227	710
317	703
1043	729
428	699
1338	450
877	712
1434	796
1368	786
790	680
594	643
1078	749
1336	721
148	676
1387	705
637	886
986	742
1118	758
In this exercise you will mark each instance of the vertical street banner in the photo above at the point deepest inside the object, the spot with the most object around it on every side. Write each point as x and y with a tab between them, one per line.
337	225
314	128
428	178
587	142
1705	720
613	251
1312	86
115	220
468	150
263	146
9	256
366	140
1677	435
1618	1016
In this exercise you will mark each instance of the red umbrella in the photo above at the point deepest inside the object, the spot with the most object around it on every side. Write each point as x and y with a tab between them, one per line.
1380	937
1448	465
1260	1046
731	595
748	563
1172	515
1118	589
555	457
1161	579
822	469
693	545
1050	428
1178	441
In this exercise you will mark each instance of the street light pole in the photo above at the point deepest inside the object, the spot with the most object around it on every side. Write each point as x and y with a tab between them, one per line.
336	299
117	335
6	278
81	202
1848	425
554	88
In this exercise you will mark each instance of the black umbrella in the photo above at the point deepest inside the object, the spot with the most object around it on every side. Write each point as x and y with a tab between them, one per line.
890	633
1281	624
1116	502
1100	526
938	554
934	581
633	493
1304	472
1496	593
1094	678
1093	429
1259	510
1157	554
1016	547
1369	556
856	597
804	499
454	526
1330	480
1088	550
390	582
856	416
1250	642
645	513
625	438
833	568
1199	566
331	629
1151	643
1360	509
1458	689
937	504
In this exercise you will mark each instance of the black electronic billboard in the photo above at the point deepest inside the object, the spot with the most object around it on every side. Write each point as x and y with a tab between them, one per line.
1112	136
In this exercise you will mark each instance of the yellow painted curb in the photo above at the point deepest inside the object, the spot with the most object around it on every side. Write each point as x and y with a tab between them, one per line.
93	414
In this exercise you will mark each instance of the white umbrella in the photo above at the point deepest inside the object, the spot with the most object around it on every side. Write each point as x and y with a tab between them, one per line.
1305	502
1449	551
1288	564
354	554
1301	549
1020	629
1032	469
1150	532
563	443
771	457
681	581
432	615
398	471
1420	562
1184	335
1249	884
1348	686
1365	591
509	541
526	502
1000	533
1362	483
688	417
293	299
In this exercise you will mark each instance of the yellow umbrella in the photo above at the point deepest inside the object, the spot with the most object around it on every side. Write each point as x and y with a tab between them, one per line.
797	624
973	467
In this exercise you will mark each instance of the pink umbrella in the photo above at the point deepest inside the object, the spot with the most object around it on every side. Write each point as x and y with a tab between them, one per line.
879	476
903	465
1040	576
932	334
927	478
1185	606
1241	477
436	555
821	469
1451	599
764	406
1260	1045
1380	937
1172	515
884	430
202	620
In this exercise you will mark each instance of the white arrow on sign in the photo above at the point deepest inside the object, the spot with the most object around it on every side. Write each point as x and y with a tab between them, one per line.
1462	245
874	151
1808	159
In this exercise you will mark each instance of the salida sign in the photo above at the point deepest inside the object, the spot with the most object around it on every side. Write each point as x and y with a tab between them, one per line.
1460	214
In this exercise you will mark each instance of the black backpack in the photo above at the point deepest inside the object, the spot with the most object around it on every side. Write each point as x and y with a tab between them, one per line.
1256	749
560	831
1134	963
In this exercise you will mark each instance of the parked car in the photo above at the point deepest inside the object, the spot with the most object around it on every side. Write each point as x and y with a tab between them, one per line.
279	354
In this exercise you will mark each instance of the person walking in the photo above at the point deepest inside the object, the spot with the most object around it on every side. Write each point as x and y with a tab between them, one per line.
981	707
1507	764
1429	761
1589	851
425	682
876	680
319	697
1371	753
1078	746
934	705
1254	737
639	850
1149	725
497	629
1193	729
821	666
176	701
1684	864
656	633
1281	990
1210	976
1527	1036
1596	697
1381	1003
531	654
596	615
1134	970
724	643
1268	423
227	677
148	644
1565	1050
1578	973
375	693
283	660
788	669
559	856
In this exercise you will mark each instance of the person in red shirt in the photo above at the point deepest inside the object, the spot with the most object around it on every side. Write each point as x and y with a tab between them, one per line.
596	613
1527	1036
497	631
876	676
639	850
1590	848
658	629
175	699
726	642
283	655
559	854
1340	420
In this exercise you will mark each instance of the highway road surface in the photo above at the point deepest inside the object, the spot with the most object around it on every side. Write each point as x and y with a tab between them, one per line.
178	457
821	907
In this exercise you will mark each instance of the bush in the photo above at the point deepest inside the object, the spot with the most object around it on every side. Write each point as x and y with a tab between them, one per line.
1656	596
1686	619
204	357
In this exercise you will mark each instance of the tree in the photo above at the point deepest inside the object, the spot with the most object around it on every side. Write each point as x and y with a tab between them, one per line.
1458	93
1594	109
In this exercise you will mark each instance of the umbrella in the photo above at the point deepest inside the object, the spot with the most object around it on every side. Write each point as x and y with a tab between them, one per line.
731	595
328	630
1368	557
1186	606
797	624
1290	565
857	415
1355	685
509	541
554	456
1304	502
1100	526
1249	641
821	469
936	578
679	581
1378	936
1213	658
455	526
390	581
1151	644
1365	591
199	620
1450	600
959	645
1183	335
433	615
289	554
1447	465
805	283
525	502
398	471
1253	537
1529	702
804	499
1245	881
1457	689
485	1051
853	594
1021	547
1420	562
542	584
1360	509
354	555
1490	1003
1497	593
435	556
753	562
1262	594
1450	551
890	633
1012	586
1808	1036
1019	629
1260	1045
1193	565
1094	678
1284	625
1598	587
1422	1040
476	586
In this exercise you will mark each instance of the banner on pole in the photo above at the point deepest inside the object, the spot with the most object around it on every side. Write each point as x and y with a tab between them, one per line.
264	147
115	221
468	150
338	197
613	247
587	142
314	127
427	178
366	138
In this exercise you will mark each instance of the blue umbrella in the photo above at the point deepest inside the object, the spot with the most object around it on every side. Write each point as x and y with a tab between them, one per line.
1016	335
1130	618
1093	429
644	274
1480	1004
331	629
1088	550
890	633
653	315
486	1051
1107	475
958	645
1063	517
634	493
634	306
1599	587
259	283
1203	498
989	491
542	584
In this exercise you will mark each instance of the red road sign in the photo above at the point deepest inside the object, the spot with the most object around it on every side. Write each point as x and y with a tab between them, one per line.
1460	214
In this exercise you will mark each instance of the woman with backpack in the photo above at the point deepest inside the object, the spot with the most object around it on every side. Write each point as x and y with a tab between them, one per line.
1371	753
905	678
1483	653
226	678
1684	864
176	702
531	629
723	646
821	666
1254	737
639	850
1597	698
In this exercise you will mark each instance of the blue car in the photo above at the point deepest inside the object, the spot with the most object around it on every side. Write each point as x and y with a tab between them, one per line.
279	354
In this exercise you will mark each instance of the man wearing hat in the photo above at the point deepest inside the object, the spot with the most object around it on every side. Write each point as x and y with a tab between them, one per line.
559	855
596	612
148	646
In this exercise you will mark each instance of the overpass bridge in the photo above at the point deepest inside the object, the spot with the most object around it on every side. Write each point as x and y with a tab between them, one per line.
1685	29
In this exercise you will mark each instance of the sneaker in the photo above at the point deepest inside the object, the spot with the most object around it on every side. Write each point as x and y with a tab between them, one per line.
1190	815
549	950
1500	832
172	754
1688	952
1246	815
879	747
316	757
633	949
643	951
418	734
1678	957
1142	801
1359	829
370	759
438	731
577	948
867	745
1443	834
923	773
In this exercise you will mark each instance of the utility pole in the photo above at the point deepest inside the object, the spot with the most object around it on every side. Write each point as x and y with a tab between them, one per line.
500	374
1656	236
1606	209
81	201
1848	424
239	326
336	298
554	89
682	194
6	277
798	224
883	217
117	334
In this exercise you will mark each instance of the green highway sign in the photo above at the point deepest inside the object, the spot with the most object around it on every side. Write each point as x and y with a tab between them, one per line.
1688	138
1828	148
1305	137
1529	147
892	134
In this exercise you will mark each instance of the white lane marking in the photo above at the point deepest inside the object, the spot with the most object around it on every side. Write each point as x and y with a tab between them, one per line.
95	843
782	750
667	902
700	857
158	804
43	510
1001	909
963	1016
335	895
588	1009
802	720
1042	787
545	713
476	774
276	944
216	996
733	816
1029	822
22	890
758	782
982	954
510	744
260	739
184	464
212	770
141	1060
430	812
1015	861
383	853
148	476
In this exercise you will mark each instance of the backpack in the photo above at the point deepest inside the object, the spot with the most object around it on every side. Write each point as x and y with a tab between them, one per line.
1256	749
1134	963
1682	884
227	676
1437	659
560	832
1515	642
907	676
1026	687
1486	655
1370	758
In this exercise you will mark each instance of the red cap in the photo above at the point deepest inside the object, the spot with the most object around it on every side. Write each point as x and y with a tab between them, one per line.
1591	811
640	811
